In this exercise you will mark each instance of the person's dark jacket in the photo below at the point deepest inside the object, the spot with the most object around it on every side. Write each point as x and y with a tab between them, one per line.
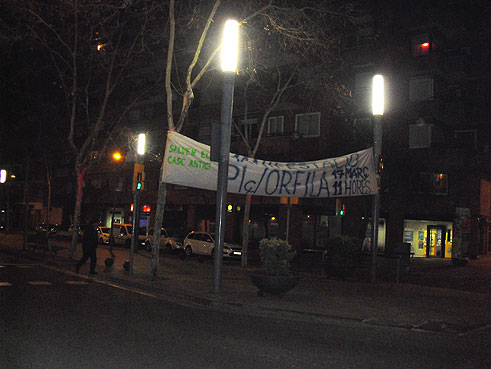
89	239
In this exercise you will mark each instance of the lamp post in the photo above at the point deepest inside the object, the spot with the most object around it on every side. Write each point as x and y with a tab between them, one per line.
229	66
138	178
378	112
117	157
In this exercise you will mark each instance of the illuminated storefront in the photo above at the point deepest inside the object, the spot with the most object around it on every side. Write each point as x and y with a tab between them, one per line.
429	238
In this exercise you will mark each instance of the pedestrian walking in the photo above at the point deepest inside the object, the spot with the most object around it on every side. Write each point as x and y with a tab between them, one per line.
89	245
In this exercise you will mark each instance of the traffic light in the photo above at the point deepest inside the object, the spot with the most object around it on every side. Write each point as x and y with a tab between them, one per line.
343	210
138	177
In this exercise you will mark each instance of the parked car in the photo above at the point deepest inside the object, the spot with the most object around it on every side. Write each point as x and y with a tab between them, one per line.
81	230
166	241
41	228
64	231
104	235
122	234
203	243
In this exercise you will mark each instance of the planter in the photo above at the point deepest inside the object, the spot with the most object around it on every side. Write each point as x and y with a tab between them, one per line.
275	285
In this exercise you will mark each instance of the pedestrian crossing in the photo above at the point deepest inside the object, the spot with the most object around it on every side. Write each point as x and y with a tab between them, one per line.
37	283
46	283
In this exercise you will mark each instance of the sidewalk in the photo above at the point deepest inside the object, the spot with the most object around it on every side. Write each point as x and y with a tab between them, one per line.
418	302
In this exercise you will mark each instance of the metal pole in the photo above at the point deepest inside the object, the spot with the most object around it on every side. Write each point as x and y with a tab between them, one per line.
377	151
225	127
288	207
134	233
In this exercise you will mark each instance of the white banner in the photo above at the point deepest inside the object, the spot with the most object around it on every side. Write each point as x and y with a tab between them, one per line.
187	162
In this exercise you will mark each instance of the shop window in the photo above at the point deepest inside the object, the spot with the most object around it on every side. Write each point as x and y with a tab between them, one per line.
307	125
421	89
275	126
433	183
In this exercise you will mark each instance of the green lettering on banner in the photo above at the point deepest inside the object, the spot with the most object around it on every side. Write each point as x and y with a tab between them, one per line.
182	150
176	160
199	164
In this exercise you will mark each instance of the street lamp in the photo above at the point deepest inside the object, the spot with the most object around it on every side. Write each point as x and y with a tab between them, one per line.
138	180
116	157
230	43
378	112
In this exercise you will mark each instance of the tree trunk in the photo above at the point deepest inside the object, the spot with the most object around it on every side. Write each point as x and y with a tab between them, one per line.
26	204
159	216
76	213
245	230
48	210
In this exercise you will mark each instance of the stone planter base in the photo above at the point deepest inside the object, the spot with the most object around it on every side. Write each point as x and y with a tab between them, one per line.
274	285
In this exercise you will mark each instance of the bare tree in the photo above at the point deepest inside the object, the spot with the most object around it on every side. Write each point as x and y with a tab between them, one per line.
312	31
297	44
92	46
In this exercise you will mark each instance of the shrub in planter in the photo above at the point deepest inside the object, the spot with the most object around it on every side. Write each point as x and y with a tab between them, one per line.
275	276
342	255
276	256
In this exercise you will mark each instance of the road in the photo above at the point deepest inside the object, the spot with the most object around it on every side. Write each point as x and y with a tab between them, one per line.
51	319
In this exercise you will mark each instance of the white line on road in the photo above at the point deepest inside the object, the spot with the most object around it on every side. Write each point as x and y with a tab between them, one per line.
76	282
40	283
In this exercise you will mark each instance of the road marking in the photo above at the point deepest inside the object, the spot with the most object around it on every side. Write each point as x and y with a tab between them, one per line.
40	283
5	284
76	282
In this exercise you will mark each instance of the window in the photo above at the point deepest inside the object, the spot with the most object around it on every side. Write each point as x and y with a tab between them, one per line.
466	139
248	128
433	183
421	89
307	125
419	136
134	116
420	49
148	112
204	133
275	126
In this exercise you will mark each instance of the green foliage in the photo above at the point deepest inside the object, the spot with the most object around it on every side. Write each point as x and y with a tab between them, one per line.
276	256
342	254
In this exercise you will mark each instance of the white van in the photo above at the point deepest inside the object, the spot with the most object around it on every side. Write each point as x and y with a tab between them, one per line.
122	234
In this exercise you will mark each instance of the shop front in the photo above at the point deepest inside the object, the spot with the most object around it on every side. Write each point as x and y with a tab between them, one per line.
429	238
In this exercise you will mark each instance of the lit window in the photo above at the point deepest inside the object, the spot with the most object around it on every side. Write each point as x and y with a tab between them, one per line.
421	48
275	126
433	183
307	125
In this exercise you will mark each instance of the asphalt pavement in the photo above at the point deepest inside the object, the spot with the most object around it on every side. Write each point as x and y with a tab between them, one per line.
431	295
